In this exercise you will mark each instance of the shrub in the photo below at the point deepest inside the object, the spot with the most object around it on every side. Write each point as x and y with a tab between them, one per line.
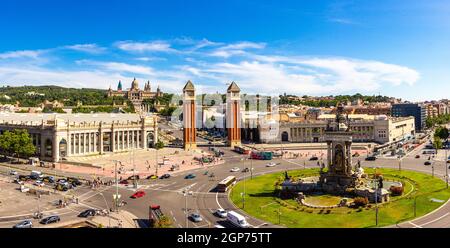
328	211
396	190
360	201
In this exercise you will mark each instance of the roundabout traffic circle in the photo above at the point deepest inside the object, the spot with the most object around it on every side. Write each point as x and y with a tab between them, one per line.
261	198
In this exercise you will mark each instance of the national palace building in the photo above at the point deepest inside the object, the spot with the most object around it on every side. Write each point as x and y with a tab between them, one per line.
58	136
135	94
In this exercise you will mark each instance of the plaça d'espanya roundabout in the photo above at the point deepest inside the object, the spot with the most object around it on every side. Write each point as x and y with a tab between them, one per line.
341	195
411	195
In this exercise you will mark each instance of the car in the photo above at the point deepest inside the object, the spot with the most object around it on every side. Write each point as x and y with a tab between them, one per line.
134	177
39	183
195	217
371	158
61	187
221	213
24	224
246	170
138	194
13	172
314	158
165	176
235	169
417	156
152	177
24	178
49	179
189	176
61	180
427	163
50	219
123	182
272	164
74	181
88	212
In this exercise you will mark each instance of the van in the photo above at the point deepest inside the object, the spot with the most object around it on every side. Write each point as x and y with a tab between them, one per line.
237	219
36	175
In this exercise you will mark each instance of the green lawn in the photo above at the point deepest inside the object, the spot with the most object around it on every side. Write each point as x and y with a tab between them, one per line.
261	203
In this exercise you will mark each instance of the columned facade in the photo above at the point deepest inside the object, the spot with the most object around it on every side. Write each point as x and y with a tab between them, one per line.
70	135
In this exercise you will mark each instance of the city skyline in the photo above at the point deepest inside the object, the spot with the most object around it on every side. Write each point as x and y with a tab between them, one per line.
325	48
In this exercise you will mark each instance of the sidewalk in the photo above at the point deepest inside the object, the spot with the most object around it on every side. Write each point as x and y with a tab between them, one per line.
122	219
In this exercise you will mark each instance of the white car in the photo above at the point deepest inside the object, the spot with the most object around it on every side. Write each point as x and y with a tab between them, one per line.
272	164
195	217
13	172
235	169
39	183
221	213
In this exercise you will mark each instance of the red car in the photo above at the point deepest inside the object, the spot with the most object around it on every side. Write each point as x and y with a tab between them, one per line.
138	194
123	182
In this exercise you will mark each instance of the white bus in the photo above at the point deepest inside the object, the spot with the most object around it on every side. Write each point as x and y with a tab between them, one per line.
226	183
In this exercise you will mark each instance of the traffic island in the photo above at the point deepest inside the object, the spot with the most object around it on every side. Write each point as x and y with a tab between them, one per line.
262	200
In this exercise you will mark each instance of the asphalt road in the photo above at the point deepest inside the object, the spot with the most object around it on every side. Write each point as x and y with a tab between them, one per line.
168	193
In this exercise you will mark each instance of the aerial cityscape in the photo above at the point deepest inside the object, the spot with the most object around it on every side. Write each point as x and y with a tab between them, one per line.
303	114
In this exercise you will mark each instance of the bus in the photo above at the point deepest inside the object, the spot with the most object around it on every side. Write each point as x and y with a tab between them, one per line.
263	155
241	150
226	183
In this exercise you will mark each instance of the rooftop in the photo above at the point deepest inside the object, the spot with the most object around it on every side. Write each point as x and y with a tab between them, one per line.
77	118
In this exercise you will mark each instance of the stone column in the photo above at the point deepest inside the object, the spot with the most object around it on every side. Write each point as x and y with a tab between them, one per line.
95	142
79	143
123	140
101	139
55	148
329	153
84	142
89	143
128	139
43	149
155	132
144	138
69	146
113	140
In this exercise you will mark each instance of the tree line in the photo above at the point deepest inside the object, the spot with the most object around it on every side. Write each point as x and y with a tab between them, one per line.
17	143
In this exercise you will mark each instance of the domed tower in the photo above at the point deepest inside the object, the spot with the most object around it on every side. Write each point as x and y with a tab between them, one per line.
134	85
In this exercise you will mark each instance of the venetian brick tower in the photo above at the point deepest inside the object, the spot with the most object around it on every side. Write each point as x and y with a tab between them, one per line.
233	114
189	117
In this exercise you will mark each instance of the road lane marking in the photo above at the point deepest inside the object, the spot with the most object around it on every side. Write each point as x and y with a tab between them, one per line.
217	199
415	226
429	222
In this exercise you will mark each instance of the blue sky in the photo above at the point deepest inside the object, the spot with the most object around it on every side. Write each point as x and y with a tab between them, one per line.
395	48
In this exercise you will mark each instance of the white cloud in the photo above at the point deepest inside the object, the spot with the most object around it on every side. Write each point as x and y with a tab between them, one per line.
308	75
119	67
153	46
235	49
251	67
88	48
34	54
